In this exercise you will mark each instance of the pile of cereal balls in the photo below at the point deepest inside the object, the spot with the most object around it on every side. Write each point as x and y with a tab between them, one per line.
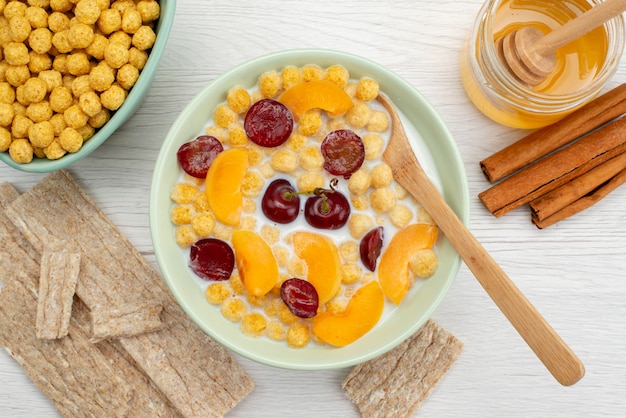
66	65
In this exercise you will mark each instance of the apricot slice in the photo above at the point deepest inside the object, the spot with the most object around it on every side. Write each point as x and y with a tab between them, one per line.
256	263
316	94
361	315
393	268
223	185
323	263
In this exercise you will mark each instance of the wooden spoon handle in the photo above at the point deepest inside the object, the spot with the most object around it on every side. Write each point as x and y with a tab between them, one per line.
558	358
579	26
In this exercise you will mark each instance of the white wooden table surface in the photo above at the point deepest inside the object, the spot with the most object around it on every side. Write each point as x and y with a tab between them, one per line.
572	272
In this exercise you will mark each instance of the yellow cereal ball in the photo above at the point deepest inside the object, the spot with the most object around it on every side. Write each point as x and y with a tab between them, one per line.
276	331
359	114
81	85
131	20
286	316
298	335
400	216
60	99
290	76
16	75
284	161
60	64
54	151
312	72
41	134
149	10
367	89
235	309
78	63
35	90
296	142
5	139
310	122
19	109
382	176
16	53
98	121
122	38
144	38
184	193
238	99
109	20
116	55
360	202
224	116
270	234
424	217
97	46
253	324
257	301
40	40
52	78
61	41
296	267
113	97
203	224
217	293
201	203
81	35
270	84
338	75
311	158
20	95
87	11
101	77
359	182
7	93
11	9
252	184
37	15
378	122
266	170
382	200
39	112
237	136
90	103
75	117
70	140
137	58
86	131
39	62
281	255
373	144
185	236
21	151
7	113
127	76
20	126
58	21
359	224
218	132
58	123
310	181
350	273
424	263
121	5
20	28
180	215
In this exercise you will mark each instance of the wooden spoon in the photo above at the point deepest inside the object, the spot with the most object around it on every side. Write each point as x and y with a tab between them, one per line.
530	54
542	339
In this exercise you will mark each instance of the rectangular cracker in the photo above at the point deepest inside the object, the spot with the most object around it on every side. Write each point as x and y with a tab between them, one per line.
57	285
123	321
396	383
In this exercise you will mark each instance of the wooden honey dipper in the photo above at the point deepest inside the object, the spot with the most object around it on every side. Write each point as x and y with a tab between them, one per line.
529	52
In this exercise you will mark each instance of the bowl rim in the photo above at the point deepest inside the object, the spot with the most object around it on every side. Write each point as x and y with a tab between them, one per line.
458	198
120	116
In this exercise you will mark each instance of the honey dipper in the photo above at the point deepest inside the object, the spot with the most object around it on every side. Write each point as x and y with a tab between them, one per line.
529	52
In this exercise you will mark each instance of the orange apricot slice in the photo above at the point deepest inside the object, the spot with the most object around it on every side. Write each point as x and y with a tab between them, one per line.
256	263
393	268
223	185
316	94
361	315
323	263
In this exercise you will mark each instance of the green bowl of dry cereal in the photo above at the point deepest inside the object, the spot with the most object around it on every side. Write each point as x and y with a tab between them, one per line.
278	227
72	72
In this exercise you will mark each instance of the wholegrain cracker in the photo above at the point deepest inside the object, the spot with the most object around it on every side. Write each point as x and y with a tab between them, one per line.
396	383
123	322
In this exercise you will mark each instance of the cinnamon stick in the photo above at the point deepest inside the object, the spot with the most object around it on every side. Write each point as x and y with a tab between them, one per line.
556	169
550	138
584	202
552	202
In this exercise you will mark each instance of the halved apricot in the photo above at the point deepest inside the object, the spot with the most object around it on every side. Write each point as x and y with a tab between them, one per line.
361	315
323	263
393	269
223	185
316	94
256	263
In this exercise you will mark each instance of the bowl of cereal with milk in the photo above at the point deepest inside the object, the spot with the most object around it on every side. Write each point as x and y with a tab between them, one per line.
278	227
72	72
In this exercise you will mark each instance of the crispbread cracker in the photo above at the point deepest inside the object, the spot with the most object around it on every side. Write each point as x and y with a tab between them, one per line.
122	322
396	383
57	285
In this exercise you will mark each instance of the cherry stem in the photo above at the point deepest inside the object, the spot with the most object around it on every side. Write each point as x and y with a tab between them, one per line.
318	191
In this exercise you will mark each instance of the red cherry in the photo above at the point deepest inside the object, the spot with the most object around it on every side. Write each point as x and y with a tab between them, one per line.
195	157
343	152
268	123
300	297
212	259
280	202
327	208
370	247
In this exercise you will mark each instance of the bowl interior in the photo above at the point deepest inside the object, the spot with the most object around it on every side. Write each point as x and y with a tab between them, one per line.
434	147
135	98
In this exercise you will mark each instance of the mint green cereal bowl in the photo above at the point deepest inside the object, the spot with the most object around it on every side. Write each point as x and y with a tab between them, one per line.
436	150
133	101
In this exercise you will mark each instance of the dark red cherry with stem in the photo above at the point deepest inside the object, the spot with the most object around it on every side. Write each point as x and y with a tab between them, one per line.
300	297
343	152
327	208
370	247
195	157
268	123
281	202
212	259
